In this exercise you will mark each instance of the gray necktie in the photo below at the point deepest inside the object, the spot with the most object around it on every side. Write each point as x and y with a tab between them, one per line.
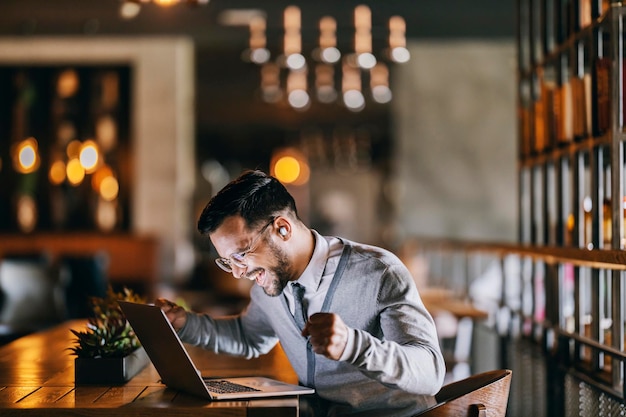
298	295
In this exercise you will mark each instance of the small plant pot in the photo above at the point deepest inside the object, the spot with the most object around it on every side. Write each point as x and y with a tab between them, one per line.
109	371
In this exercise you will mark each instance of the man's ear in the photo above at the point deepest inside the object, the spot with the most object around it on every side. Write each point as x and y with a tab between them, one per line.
284	227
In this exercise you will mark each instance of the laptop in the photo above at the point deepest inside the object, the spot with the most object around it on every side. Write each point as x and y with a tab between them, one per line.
177	370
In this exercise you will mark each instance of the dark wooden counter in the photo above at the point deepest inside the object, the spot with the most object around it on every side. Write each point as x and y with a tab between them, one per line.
122	251
37	379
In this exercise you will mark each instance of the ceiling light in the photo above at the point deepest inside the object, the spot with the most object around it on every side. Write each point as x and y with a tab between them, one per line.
359	65
130	9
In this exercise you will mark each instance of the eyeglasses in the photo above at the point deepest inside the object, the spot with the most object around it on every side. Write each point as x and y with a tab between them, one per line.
237	258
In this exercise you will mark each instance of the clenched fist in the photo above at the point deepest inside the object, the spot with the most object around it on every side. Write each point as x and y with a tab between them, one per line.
328	334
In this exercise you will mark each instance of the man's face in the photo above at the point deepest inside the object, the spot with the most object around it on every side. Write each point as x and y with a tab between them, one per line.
265	261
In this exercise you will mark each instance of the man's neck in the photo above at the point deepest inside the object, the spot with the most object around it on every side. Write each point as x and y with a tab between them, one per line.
303	252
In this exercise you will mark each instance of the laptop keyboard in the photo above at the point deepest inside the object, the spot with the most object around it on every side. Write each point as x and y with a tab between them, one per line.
227	387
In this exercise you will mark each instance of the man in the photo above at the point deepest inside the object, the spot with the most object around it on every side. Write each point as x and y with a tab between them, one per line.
368	347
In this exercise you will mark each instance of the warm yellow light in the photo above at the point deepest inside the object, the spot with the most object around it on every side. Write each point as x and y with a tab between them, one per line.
362	17
57	172
379	83
570	222
290	166
292	43
26	213
328	29
73	149
297	95
25	157
106	215
102	172
129	10
75	172
106	132
89	156
363	26
287	169
67	83
305	174
397	31
259	54
165	2
109	188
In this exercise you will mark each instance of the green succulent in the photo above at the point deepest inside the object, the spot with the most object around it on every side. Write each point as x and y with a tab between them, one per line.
108	333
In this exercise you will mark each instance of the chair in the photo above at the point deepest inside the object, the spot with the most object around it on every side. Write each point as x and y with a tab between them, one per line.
83	277
31	297
481	395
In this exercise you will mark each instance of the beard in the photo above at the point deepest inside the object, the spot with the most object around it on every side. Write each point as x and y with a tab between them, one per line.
280	274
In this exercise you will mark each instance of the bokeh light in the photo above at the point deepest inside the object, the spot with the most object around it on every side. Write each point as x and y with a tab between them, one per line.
166	2
89	156
106	215
299	99
354	100
73	149
400	55
68	83
287	169
26	156
366	60
305	174
260	55
106	133
96	179
26	213
129	10
109	188
75	172
290	166
295	62
331	55
381	94
56	175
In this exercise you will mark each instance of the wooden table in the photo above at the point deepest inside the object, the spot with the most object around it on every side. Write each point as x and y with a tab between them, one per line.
37	379
441	299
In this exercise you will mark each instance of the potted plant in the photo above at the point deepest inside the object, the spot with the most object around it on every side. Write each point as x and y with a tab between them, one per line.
108	351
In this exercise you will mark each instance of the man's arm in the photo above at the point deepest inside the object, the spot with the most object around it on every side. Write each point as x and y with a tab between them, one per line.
174	313
222	335
407	357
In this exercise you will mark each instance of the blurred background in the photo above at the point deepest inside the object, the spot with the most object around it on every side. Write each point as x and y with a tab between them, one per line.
120	119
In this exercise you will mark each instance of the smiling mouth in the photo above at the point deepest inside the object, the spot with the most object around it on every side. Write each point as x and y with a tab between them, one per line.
257	275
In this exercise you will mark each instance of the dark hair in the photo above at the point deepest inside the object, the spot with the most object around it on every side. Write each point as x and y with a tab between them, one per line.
254	195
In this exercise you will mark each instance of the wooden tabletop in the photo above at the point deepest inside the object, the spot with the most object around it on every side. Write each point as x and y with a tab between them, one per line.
37	379
441	299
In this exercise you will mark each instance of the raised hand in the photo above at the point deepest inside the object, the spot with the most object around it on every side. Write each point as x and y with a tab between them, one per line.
328	334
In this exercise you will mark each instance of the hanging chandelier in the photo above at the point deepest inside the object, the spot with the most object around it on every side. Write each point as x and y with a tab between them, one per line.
326	74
